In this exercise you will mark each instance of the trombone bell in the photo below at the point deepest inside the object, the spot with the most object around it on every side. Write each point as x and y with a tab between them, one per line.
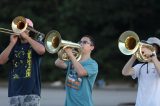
19	24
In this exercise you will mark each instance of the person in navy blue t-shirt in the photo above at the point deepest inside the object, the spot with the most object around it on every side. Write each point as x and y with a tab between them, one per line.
24	53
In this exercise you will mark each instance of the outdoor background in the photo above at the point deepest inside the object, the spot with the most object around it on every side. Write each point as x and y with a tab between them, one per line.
105	20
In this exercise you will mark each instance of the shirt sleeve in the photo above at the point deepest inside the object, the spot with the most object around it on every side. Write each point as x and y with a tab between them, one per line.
91	68
136	70
67	63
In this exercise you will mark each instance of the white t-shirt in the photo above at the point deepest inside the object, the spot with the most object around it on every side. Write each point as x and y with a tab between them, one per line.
148	85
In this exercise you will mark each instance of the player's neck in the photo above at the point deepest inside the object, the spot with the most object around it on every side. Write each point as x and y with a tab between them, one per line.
85	57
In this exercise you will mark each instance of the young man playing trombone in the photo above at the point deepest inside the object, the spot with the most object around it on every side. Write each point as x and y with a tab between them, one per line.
81	74
148	74
24	53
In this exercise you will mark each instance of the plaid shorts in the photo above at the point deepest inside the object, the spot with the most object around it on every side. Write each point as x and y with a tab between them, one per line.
24	100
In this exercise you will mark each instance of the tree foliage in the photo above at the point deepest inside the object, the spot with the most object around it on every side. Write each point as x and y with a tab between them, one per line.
105	20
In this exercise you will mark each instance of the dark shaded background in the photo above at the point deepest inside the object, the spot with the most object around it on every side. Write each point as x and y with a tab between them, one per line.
105	20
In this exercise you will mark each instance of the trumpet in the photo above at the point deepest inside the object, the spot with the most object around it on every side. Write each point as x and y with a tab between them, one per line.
54	44
19	25
129	43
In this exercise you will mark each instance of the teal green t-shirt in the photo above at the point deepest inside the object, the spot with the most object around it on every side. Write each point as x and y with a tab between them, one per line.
79	89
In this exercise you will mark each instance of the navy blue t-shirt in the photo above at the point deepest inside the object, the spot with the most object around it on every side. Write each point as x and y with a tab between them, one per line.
24	76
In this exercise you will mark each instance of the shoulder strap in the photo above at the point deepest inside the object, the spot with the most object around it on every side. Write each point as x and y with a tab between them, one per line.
142	66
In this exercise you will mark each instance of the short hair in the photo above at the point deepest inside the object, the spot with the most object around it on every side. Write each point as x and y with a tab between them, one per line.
91	39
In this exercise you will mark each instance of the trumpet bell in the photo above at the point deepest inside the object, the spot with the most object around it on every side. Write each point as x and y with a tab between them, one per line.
128	42
54	43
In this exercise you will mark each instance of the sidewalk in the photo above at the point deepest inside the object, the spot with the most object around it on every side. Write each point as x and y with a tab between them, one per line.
111	86
120	86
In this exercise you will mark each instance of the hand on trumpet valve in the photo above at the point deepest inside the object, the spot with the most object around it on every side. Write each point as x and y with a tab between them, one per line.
68	50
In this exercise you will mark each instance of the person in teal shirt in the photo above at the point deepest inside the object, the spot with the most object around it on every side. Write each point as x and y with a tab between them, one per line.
81	74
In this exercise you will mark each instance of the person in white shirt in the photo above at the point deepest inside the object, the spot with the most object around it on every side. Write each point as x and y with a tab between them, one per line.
148	74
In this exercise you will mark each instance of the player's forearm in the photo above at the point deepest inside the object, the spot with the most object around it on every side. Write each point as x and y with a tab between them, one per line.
127	68
59	63
39	48
5	54
78	67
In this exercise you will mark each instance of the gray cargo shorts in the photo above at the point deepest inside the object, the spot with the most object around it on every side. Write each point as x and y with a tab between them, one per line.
24	100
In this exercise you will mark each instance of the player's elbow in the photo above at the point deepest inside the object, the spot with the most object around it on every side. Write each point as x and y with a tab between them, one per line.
2	62
42	51
124	73
82	74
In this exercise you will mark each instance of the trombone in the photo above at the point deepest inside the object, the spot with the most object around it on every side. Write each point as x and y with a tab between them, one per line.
19	25
8	31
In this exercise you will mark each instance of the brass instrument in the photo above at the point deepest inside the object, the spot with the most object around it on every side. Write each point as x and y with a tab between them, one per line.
19	25
129	43
54	43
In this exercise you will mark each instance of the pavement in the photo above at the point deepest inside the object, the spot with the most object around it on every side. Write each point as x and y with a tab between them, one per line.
113	94
110	86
